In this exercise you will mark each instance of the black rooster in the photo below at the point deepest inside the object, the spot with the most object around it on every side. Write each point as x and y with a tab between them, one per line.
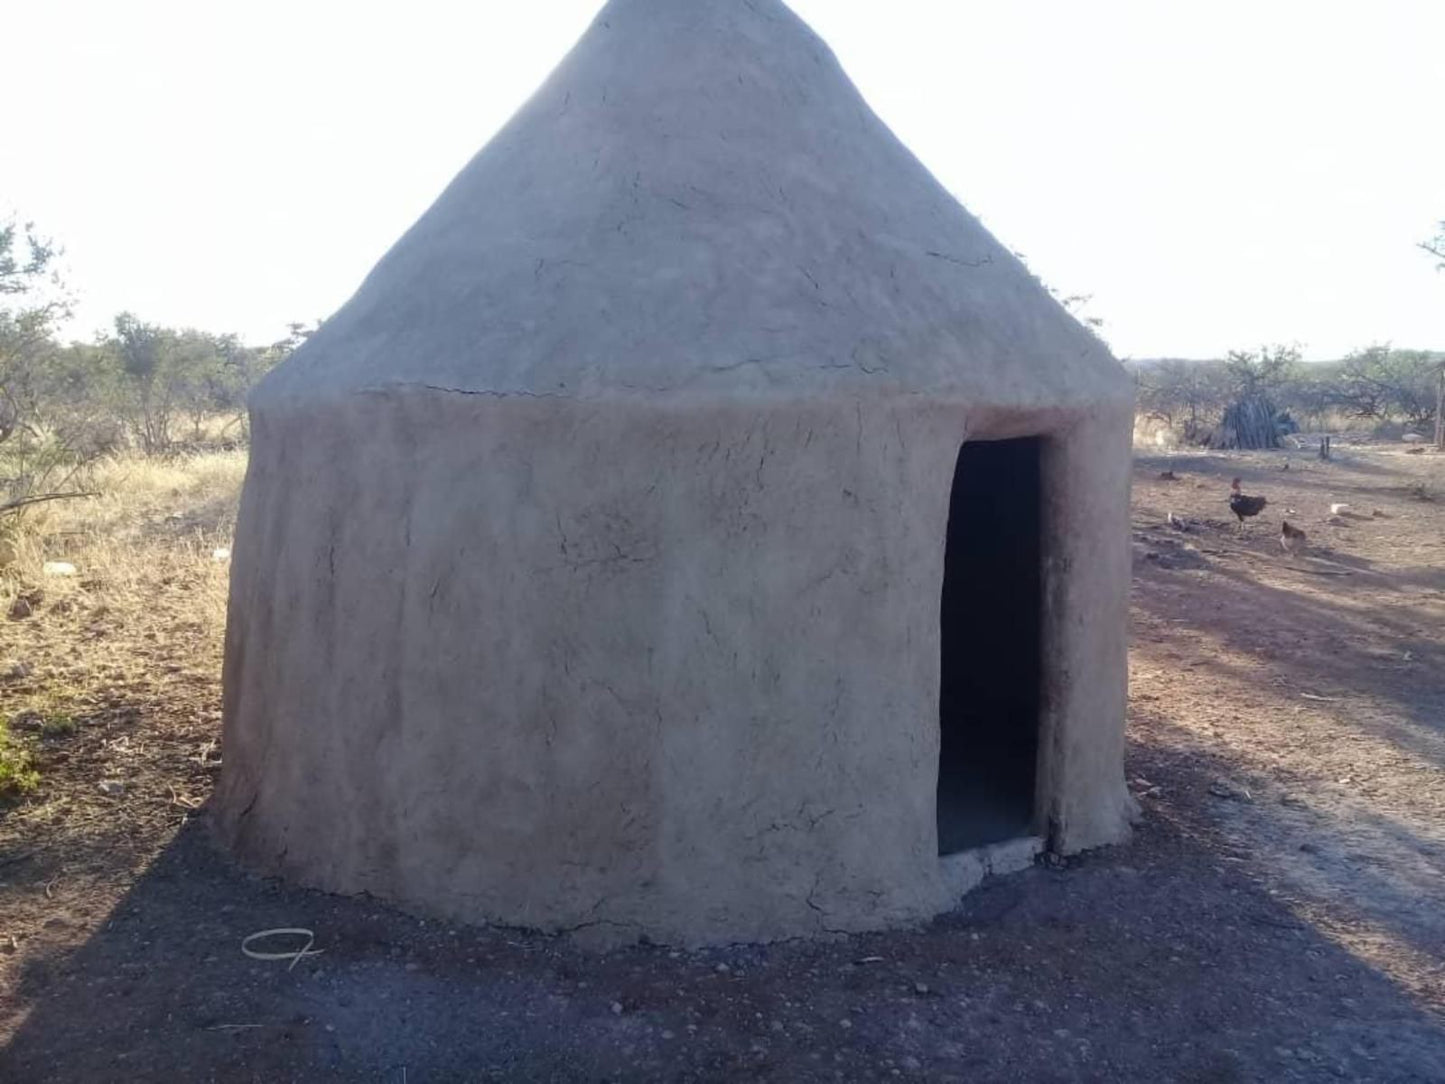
1243	506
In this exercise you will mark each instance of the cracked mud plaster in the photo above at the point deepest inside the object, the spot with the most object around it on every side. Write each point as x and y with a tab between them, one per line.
588	578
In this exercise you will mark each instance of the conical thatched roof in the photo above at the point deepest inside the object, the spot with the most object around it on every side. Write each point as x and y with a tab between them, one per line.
699	201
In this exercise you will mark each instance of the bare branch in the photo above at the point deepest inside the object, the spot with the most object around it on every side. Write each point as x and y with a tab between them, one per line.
40	498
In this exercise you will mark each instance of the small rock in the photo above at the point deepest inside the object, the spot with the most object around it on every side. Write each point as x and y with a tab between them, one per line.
845	1023
23	607
1412	438
722	969
911	1063
617	1008
111	788
1222	789
57	568
920	988
221	553
667	1035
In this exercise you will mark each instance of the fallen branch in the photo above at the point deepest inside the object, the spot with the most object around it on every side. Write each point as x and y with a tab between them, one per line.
22	502
1318	571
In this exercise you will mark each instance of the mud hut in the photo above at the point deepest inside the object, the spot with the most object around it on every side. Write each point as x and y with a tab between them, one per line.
695	527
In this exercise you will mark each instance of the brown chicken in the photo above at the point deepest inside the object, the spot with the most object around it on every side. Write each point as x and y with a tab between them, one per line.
1244	506
1291	538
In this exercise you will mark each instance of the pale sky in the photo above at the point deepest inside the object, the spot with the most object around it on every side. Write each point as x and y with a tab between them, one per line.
1216	174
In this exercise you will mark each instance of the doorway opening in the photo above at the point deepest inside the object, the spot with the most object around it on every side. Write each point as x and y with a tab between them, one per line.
991	623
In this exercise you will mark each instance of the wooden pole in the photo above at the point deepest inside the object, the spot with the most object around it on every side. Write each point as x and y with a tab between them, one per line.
1440	412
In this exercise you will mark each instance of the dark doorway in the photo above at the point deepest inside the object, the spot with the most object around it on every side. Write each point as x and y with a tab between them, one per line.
988	705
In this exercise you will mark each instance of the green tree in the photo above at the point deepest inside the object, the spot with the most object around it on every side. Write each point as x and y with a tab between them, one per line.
1386	384
1261	372
37	461
1183	393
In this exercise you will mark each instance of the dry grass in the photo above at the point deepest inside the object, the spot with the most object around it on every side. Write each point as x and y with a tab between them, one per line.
112	675
155	521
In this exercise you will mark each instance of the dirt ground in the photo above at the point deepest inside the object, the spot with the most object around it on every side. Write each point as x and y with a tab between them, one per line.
1280	915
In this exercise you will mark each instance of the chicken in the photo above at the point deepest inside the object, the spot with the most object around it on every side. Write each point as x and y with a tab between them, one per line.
1291	538
1244	506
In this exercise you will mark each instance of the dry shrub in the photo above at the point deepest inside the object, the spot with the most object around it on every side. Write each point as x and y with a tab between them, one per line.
144	551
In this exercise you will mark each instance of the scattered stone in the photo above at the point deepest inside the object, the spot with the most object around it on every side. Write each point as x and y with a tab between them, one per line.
28	720
57	568
24	605
722	969
845	1023
221	553
111	788
1412	438
911	1063
667	1035
920	988
1221	789
617	1008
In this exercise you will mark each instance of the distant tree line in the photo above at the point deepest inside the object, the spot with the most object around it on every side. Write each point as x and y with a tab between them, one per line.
1225	402
139	386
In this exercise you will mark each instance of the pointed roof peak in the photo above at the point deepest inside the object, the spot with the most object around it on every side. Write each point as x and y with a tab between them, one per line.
698	200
